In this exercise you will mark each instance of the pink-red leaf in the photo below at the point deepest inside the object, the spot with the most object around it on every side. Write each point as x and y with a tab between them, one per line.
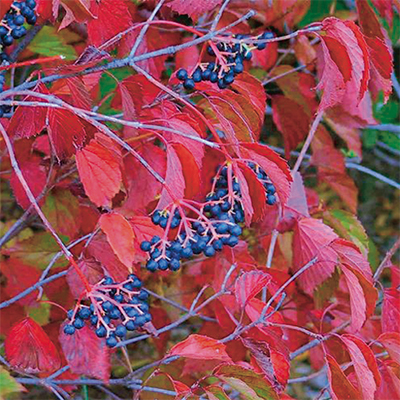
391	340
35	177
194	8
66	132
99	170
275	167
112	17
29	350
174	179
391	311
249	285
202	348
120	235
311	239
365	365
342	388
86	353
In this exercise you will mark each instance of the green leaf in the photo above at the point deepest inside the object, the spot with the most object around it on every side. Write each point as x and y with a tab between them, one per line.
251	385
215	392
369	138
48	43
38	250
391	139
349	227
8	384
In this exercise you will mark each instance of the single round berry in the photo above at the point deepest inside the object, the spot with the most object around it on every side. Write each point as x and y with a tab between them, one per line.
114	313
187	252
221	83
94	319
8	40
210	51
101	331
235	230
228	79
31	4
19	20
271	199
182	74
217	244
238	68
111	341
84	313
145	245
70	314
232	241
130	325
3	31
69	329
147	317
197	75
107	306
156	217
209	251
222	228
108	281
143	295
79	323
163	264
189	84
120	331
155	239
174	264
270	188
214	77
119	298
140	320
206	74
31	20
152	265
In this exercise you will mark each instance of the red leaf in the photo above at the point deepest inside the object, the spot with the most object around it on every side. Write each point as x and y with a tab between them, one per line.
342	388
350	254
365	365
86	353
391	340
62	210
292	121
92	271
174	179
35	177
120	235
391	311
249	285
275	167
112	17
245	193
255	190
66	132
80	95
194	8
99	170
363	296
190	170
390	385
346	65
19	277
274	363
4	7
29	350
201	348
142	186
385	9
100	249
312	238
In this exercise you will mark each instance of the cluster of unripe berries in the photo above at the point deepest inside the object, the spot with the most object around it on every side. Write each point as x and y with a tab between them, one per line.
115	309
11	28
223	74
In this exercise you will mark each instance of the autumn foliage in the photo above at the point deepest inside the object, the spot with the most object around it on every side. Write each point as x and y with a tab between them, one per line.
109	162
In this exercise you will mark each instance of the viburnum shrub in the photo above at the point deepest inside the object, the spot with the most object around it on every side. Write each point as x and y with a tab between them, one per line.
178	216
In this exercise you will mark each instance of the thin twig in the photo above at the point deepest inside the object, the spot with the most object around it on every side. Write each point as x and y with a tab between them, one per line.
387	258
219	15
308	141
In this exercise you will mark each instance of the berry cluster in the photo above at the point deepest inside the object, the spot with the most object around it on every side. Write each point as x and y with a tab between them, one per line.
216	225
115	309
228	63
11	28
268	186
